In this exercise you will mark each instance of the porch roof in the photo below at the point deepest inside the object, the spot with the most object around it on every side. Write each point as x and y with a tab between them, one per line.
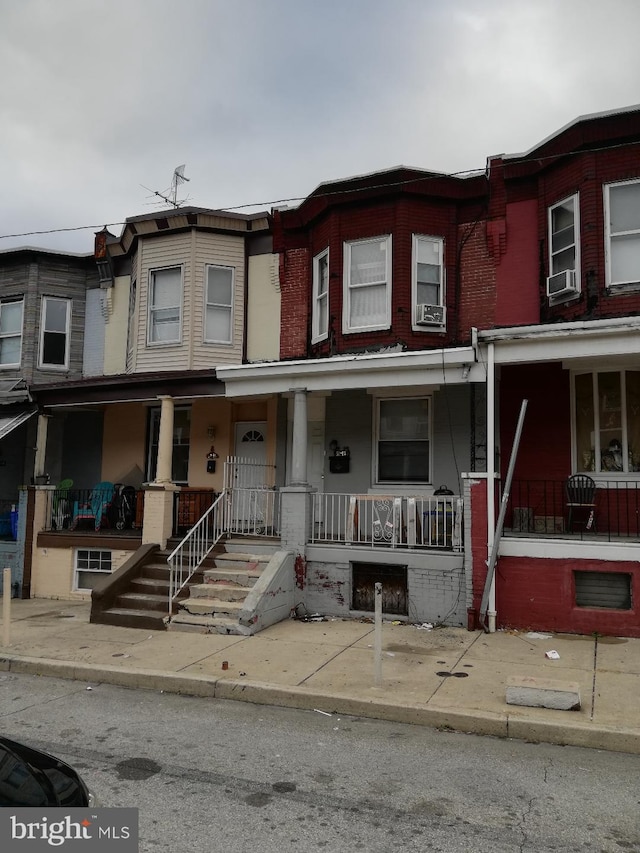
128	388
584	341
12	420
378	370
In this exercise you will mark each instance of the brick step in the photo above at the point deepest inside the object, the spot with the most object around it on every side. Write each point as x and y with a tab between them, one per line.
150	586
129	618
143	601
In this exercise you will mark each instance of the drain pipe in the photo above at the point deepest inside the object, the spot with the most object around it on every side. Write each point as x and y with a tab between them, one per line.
488	598
491	480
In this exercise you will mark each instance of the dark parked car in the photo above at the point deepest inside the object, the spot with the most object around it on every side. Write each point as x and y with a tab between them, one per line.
30	777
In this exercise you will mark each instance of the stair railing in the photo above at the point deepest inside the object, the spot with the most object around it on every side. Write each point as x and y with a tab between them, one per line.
185	560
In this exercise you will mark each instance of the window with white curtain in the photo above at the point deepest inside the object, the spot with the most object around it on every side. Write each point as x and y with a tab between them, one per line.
320	311
622	229
165	302
10	332
367	281
54	332
219	304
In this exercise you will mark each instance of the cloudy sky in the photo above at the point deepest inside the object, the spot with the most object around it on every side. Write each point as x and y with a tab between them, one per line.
264	99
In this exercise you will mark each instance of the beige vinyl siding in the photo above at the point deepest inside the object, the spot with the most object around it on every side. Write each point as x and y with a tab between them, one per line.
115	335
263	309
172	250
224	250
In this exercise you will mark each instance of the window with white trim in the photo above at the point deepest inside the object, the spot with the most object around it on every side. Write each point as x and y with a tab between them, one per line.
320	308
131	328
90	566
403	440
165	305
427	281
622	233
564	248
367	285
54	332
607	421
218	304
11	311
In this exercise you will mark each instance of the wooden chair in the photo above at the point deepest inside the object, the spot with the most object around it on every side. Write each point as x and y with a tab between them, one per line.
581	491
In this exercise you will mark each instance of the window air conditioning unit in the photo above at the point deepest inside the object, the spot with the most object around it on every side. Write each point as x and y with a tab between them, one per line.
562	284
430	315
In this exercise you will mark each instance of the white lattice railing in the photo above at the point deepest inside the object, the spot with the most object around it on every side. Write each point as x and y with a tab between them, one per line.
388	520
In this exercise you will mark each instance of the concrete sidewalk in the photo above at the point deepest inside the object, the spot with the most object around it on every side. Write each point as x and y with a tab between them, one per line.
445	677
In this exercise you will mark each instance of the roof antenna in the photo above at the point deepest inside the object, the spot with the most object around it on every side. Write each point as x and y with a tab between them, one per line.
171	195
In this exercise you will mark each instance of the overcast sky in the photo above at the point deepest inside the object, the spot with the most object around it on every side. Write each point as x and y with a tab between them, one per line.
265	99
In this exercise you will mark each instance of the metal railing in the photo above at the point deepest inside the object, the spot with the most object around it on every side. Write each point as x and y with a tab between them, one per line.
253	511
388	521
185	560
113	510
541	508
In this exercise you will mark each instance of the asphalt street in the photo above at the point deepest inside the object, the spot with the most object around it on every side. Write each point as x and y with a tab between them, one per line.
210	775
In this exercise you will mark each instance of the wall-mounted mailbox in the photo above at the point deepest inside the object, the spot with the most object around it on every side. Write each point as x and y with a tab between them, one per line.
339	464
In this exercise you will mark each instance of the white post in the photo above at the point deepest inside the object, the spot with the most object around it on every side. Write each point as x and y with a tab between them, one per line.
299	438
491	477
378	634
6	607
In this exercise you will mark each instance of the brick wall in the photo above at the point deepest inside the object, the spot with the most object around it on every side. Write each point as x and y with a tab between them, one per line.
539	594
295	284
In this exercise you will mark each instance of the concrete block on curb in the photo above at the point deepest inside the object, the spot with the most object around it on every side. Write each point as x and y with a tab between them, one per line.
543	693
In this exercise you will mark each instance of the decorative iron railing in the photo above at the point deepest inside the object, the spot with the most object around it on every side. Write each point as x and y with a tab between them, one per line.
392	521
545	508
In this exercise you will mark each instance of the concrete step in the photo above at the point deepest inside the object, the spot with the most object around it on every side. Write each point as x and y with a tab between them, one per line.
244	575
202	624
254	546
211	607
143	601
239	559
222	589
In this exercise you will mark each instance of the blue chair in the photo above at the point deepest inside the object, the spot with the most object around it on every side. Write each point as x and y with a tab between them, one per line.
96	507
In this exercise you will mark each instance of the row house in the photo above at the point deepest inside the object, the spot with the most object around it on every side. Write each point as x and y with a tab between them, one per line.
422	380
136	440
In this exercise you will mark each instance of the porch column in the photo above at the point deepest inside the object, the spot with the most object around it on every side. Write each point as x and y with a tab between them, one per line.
41	446
299	442
491	478
165	441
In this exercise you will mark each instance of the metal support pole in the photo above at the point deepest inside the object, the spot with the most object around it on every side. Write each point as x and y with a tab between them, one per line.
377	643
6	607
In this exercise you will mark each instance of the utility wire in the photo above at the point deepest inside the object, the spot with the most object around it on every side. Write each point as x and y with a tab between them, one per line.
431	176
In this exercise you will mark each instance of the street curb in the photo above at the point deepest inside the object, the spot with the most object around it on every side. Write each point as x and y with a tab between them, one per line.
505	725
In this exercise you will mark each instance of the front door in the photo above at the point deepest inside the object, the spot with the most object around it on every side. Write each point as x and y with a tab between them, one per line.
248	477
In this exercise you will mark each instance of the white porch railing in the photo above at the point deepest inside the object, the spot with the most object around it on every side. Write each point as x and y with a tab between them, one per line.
253	510
188	556
388	521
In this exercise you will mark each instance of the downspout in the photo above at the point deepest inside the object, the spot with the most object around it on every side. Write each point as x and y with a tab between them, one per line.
491	479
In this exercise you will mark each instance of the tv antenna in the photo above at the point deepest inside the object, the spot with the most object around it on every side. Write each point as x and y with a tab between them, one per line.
171	195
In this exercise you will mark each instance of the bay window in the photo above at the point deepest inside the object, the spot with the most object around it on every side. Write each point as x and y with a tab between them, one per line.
622	233
607	421
320	308
219	304
54	332
165	301
10	332
367	285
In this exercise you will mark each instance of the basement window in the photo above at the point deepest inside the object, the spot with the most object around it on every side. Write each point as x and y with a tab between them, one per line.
90	566
604	590
394	588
